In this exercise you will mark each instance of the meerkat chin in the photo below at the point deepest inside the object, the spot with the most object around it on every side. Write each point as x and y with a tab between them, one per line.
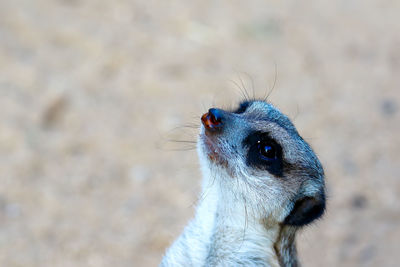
261	183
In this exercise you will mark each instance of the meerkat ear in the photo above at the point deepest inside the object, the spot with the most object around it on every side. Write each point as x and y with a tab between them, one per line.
306	210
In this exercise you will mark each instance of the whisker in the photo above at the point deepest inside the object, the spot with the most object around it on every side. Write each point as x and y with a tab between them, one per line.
184	126
179	149
183	136
162	145
181	141
244	87
274	83
297	112
205	192
240	89
252	84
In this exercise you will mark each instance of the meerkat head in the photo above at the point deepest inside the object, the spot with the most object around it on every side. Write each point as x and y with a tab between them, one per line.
257	156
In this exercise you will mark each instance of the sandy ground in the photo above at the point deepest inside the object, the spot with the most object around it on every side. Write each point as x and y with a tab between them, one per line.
90	92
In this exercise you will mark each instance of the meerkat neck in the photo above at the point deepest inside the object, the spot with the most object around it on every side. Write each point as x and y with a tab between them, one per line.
238	237
224	233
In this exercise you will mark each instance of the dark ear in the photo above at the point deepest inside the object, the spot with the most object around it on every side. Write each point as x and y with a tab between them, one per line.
306	210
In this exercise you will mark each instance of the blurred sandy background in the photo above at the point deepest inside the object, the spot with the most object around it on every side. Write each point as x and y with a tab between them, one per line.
91	89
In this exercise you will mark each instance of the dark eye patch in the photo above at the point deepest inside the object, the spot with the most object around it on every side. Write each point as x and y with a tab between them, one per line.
242	107
257	142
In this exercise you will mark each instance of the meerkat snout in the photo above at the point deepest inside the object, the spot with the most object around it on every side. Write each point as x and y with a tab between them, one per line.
212	120
262	181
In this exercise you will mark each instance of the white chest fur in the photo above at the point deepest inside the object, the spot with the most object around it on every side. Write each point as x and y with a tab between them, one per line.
223	234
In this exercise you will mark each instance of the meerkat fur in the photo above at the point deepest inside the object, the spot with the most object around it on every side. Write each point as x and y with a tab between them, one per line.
261	183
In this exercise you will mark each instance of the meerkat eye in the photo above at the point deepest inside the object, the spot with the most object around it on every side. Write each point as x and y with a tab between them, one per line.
264	153
267	150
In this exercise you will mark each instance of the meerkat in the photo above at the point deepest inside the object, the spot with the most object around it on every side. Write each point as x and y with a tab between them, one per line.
261	183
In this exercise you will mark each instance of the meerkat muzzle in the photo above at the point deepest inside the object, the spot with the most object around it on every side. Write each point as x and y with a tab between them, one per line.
212	120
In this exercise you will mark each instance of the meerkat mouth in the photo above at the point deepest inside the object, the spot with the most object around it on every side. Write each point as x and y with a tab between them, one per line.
212	150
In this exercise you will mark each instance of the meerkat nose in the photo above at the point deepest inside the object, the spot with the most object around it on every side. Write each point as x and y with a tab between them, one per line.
212	120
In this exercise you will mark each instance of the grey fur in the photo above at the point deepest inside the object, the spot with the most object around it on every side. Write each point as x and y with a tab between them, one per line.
241	219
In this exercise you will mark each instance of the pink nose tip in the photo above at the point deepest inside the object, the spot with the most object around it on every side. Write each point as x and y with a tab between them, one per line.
212	120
